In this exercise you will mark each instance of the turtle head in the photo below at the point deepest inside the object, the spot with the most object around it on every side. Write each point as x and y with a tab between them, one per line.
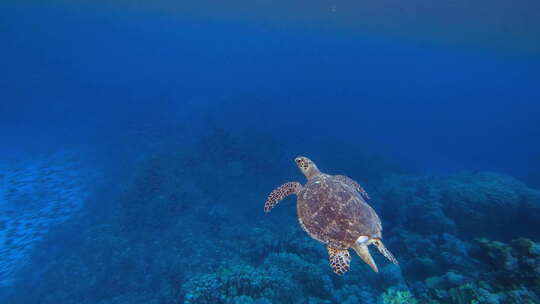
306	166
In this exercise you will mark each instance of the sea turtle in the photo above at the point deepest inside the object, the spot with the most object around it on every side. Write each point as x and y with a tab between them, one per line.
333	210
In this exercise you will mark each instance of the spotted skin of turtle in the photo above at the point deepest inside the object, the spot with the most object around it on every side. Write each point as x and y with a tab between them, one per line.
339	260
332	209
283	191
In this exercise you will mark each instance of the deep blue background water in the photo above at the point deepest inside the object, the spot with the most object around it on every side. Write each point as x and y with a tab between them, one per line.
431	106
117	82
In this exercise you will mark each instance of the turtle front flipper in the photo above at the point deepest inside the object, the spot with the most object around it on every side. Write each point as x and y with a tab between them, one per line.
356	186
363	252
340	260
280	193
382	249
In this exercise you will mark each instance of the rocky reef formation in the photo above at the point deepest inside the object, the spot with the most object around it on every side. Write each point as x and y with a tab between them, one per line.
467	204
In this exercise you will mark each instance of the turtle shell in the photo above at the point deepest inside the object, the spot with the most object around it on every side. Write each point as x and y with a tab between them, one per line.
334	213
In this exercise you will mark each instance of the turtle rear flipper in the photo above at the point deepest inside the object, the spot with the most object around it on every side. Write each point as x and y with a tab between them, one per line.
340	260
280	193
382	249
363	252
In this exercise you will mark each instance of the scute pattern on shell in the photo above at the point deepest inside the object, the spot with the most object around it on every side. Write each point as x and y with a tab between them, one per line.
334	213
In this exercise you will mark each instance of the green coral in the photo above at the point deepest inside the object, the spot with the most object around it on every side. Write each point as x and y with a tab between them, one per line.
396	296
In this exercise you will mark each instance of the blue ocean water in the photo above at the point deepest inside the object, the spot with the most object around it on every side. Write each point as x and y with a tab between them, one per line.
140	141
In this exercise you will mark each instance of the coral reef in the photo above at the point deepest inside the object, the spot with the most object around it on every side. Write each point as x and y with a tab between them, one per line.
467	204
513	264
396	296
235	281
35	196
186	226
508	273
